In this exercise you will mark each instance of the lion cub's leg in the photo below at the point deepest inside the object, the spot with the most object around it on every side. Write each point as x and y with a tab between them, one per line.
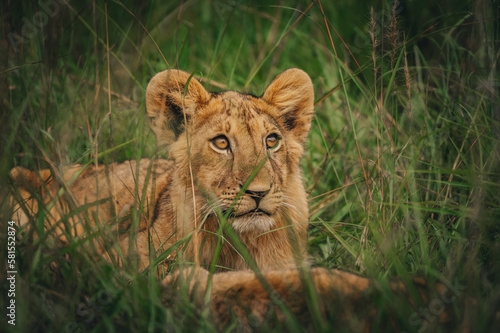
246	295
349	300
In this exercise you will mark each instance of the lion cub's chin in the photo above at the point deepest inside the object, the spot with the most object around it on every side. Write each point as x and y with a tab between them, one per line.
253	223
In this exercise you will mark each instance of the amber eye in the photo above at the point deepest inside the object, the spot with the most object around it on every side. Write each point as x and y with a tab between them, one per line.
221	142
272	141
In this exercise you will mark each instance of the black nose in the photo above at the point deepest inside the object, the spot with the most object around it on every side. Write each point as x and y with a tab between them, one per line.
257	195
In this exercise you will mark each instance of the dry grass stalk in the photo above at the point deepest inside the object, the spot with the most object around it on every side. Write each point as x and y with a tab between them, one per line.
392	33
408	83
374	47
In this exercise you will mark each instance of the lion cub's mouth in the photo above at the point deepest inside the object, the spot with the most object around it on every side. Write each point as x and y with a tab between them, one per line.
253	220
253	212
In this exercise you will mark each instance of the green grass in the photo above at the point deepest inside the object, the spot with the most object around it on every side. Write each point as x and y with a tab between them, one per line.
402	165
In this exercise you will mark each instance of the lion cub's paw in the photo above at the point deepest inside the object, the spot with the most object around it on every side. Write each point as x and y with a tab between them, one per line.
194	278
186	274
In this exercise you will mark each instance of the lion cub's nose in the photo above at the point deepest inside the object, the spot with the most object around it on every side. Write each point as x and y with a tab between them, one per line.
257	195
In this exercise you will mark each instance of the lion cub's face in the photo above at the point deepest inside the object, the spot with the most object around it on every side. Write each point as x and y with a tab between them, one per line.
229	146
235	144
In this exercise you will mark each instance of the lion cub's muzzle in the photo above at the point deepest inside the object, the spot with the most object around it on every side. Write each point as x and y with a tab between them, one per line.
254	203
254	209
257	196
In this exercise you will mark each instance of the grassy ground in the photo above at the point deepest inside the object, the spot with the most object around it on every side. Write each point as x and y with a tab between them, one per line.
403	161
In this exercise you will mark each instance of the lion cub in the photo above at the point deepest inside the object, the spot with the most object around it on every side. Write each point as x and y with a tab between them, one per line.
233	158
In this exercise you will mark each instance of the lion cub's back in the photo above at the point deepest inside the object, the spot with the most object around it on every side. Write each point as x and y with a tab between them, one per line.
106	193
126	185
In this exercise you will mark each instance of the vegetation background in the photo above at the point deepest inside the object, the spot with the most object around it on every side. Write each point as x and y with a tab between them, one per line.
403	162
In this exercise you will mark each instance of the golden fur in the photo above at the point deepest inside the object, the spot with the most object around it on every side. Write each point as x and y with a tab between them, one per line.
201	181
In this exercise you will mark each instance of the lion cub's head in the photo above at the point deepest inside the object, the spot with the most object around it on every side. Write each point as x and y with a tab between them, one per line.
226	139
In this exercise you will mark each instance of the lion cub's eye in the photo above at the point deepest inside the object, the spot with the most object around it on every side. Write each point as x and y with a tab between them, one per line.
221	142
272	141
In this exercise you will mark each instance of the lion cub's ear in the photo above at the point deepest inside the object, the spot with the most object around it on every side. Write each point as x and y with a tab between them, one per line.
292	94
166	103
